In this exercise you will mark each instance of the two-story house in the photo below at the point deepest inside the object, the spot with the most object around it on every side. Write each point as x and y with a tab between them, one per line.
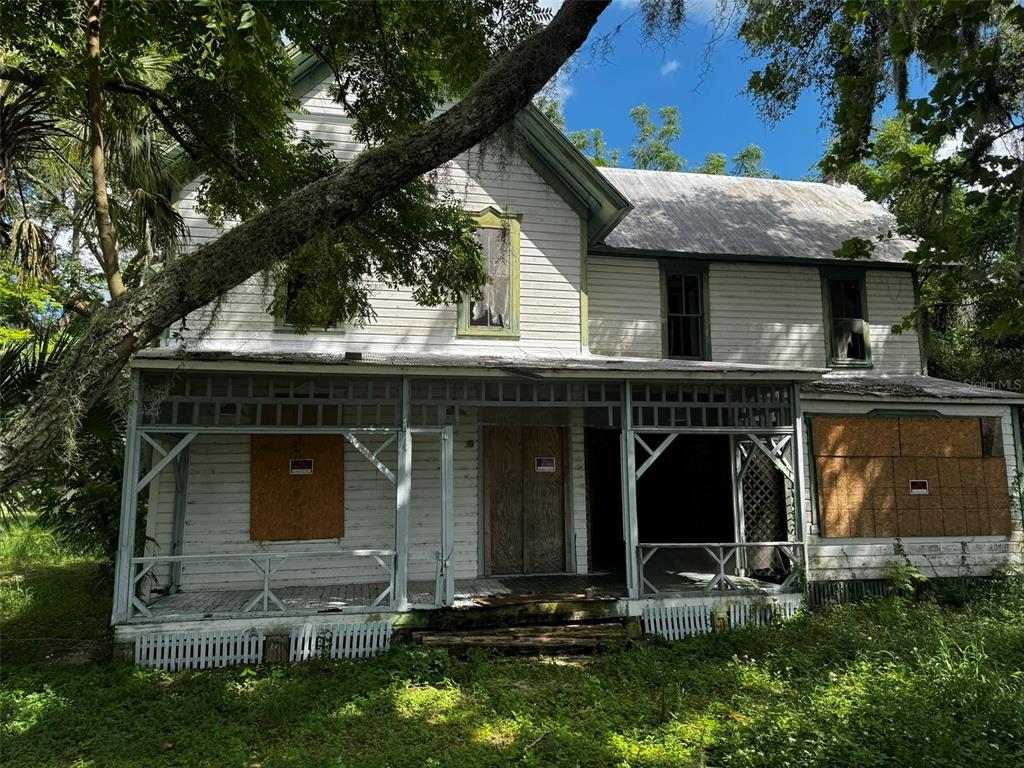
670	400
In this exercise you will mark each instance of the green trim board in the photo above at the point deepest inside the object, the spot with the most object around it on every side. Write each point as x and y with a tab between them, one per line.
829	274
555	158
812	466
1018	449
700	270
584	290
491	218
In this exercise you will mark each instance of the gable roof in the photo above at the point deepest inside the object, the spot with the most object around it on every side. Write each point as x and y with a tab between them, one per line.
547	149
695	214
599	201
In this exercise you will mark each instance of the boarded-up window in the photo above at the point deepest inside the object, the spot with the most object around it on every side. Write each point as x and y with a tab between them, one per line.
908	476
297	487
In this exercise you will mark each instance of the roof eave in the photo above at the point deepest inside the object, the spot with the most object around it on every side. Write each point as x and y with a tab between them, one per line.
602	249
547	146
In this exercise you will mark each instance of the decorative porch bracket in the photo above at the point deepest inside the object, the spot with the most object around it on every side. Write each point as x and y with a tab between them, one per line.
653	454
774	449
168	457
372	456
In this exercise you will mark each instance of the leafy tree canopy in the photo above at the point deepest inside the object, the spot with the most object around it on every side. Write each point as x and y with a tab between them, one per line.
652	145
202	89
951	168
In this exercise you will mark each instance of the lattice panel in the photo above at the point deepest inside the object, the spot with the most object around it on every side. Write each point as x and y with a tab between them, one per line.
767	501
756	407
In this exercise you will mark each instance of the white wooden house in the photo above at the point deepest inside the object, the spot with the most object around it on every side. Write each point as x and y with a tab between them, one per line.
672	397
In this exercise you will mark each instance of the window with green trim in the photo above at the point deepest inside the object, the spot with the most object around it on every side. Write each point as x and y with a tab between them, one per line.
287	296
846	312
685	318
495	312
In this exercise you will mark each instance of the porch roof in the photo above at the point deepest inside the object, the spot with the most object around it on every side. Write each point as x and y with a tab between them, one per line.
584	366
905	387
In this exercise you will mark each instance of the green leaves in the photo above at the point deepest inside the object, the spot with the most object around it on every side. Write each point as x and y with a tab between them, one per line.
415	239
652	145
943	165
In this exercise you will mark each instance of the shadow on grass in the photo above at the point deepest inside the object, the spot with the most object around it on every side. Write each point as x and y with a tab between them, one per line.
884	684
55	612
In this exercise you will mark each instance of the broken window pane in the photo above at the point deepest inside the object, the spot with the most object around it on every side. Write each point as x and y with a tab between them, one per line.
493	309
684	321
848	322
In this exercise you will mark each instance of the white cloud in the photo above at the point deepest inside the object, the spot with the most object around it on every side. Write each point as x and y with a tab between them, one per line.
559	87
669	67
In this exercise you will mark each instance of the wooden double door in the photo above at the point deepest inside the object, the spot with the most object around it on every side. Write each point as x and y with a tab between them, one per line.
524	499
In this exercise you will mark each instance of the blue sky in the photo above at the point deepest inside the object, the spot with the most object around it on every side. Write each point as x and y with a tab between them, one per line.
715	115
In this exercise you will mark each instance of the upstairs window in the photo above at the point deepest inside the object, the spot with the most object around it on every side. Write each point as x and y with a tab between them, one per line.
846	312
495	312
685	335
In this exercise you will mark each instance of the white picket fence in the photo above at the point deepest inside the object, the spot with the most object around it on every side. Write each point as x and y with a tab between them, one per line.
171	651
698	618
678	621
762	614
339	641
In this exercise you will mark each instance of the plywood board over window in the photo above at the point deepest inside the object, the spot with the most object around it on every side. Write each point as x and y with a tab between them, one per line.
910	476
297	487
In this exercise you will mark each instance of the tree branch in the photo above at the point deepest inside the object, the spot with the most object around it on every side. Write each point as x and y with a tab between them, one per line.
94	99
22	76
127	325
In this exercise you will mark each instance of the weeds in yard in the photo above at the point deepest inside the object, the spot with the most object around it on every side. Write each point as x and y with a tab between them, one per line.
904	681
54	603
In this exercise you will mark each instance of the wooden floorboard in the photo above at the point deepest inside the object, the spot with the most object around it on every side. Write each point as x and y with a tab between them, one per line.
334	597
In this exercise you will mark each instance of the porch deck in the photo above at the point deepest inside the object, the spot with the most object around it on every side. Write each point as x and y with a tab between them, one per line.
469	593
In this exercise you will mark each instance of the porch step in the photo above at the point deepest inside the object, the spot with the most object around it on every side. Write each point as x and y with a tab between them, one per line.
562	638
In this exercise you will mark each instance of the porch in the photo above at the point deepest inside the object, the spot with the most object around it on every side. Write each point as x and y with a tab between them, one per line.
415	474
486	592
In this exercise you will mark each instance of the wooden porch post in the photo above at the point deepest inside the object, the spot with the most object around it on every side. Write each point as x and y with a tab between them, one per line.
448	514
181	472
798	473
630	528
737	502
403	503
129	504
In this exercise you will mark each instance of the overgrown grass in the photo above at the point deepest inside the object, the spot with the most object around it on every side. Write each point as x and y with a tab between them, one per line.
892	683
54	602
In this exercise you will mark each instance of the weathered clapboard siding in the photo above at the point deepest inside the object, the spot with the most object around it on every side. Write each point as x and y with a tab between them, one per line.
890	299
758	313
624	306
766	314
550	268
217	516
837	559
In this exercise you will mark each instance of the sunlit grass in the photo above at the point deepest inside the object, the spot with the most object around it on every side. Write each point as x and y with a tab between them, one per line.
893	683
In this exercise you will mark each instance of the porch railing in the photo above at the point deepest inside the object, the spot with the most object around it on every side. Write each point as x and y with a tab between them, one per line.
266	565
732	569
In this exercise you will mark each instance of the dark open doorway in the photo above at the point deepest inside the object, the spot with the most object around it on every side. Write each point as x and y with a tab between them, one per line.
604	501
685	496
